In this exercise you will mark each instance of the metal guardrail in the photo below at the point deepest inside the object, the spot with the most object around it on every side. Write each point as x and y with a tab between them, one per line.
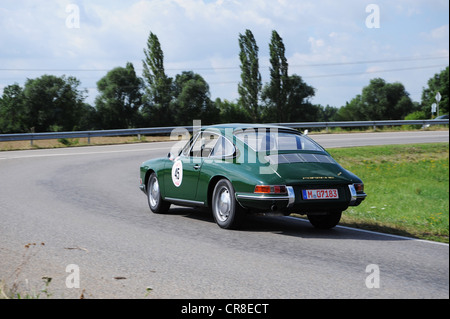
374	124
167	130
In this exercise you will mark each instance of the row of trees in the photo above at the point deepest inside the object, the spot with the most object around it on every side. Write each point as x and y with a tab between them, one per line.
126	100
48	103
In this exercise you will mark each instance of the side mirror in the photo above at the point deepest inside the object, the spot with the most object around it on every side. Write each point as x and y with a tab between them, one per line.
170	156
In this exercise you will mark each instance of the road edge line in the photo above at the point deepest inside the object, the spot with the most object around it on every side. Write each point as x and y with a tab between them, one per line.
378	233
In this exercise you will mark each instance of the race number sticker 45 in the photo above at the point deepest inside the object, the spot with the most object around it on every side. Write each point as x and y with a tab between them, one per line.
177	173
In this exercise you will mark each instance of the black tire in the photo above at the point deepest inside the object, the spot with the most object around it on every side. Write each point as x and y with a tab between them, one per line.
326	221
155	202
226	210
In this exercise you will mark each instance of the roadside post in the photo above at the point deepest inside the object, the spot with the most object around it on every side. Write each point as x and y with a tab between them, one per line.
438	99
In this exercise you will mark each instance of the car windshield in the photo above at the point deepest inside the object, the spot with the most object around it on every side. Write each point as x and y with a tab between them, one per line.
274	140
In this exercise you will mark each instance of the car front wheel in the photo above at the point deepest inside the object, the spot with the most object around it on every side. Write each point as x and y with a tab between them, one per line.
226	211
325	221
155	202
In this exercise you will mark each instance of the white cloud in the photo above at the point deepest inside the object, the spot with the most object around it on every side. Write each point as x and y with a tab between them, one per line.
316	44
440	33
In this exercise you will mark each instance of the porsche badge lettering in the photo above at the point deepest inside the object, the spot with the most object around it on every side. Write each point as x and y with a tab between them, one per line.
177	173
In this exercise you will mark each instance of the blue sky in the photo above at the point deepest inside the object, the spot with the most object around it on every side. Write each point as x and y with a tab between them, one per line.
328	43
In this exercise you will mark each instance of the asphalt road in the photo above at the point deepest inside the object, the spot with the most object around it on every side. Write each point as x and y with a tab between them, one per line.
85	206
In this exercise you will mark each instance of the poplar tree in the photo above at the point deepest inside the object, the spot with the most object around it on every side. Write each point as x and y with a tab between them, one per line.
158	90
286	97
279	79
250	87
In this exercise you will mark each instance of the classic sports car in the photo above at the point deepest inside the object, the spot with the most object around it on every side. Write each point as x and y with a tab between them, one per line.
239	168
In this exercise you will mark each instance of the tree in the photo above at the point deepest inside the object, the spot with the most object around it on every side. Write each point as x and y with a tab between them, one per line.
191	99
294	104
378	101
298	106
230	112
12	110
88	119
286	97
328	113
47	103
277	90
120	98
438	83
352	111
53	103
159	86
250	87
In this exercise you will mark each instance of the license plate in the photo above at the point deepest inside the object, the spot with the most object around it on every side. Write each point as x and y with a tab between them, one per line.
309	194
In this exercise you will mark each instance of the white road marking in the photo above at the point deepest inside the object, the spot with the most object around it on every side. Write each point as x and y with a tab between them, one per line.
377	233
84	153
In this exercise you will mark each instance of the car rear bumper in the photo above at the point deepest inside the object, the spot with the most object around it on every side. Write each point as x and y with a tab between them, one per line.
293	201
266	202
356	198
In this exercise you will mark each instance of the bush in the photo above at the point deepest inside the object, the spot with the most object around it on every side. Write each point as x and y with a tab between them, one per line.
418	115
68	141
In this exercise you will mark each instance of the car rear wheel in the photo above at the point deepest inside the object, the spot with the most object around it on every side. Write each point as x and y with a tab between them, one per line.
155	202
226	211
325	221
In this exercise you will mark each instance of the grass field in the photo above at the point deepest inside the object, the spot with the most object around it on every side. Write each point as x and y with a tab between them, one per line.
407	187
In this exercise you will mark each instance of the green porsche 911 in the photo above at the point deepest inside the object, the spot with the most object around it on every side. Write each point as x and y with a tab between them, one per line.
240	168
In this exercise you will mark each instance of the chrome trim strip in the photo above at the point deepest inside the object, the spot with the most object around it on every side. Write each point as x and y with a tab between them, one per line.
261	197
290	196
184	201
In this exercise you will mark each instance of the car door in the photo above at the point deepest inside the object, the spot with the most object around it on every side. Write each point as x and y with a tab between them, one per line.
182	179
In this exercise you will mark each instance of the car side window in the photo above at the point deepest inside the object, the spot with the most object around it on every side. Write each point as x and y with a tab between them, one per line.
204	145
223	148
186	149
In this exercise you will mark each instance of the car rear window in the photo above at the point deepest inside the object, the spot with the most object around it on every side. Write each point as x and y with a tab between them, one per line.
274	140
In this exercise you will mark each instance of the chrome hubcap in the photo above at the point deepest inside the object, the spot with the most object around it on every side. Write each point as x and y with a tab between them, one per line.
154	192
223	204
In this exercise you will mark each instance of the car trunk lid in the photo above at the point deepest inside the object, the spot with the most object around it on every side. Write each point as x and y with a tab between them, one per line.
311	168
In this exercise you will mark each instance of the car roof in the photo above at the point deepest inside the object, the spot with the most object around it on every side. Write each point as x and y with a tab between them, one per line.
244	126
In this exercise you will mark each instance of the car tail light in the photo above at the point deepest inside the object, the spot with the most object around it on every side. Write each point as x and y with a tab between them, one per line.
359	187
270	189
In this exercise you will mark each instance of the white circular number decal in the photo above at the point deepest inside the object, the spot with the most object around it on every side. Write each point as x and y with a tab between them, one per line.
177	173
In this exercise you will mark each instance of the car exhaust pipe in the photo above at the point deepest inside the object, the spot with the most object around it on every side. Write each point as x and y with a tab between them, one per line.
274	208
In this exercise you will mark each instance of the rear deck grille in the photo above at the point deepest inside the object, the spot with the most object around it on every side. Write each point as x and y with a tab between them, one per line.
299	158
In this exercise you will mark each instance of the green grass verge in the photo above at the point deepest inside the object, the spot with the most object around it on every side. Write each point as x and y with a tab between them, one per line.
407	187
